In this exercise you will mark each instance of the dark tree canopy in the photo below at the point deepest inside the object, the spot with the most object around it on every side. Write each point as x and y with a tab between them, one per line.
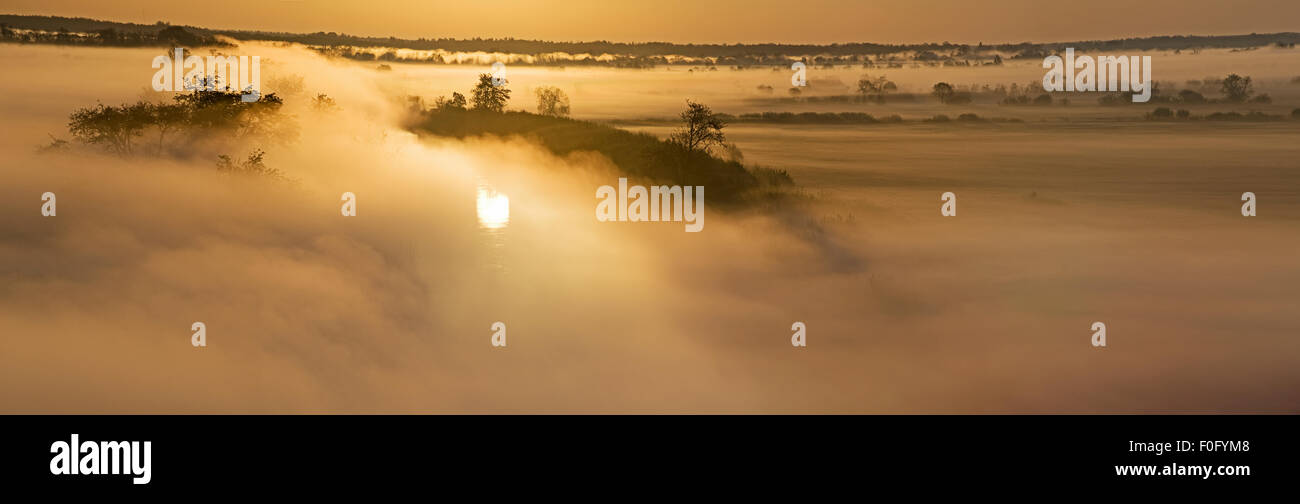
943	91
489	96
1237	88
201	113
702	128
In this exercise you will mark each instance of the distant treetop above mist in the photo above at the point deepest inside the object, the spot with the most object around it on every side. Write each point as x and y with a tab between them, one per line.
725	53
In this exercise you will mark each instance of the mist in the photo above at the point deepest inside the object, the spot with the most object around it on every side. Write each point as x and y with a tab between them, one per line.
309	311
391	310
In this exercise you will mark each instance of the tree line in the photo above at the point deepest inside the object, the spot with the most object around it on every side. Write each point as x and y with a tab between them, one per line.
720	54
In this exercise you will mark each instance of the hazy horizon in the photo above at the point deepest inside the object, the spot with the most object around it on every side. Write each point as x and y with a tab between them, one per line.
815	22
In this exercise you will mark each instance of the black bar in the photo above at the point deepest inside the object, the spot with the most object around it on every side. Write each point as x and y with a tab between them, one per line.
320	454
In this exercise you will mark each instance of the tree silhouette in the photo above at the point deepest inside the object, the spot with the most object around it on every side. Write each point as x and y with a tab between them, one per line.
868	85
489	96
168	116
252	165
200	113
702	128
943	91
551	101
1237	88
112	127
324	103
457	102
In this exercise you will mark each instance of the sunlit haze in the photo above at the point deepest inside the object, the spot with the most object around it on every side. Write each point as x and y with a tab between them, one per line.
718	21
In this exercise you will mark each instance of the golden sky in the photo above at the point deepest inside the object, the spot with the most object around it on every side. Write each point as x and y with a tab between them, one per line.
811	21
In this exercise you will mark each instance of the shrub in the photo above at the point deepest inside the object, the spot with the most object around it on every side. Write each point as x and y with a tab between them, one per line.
202	113
1237	116
1224	116
324	103
253	165
552	101
771	176
1236	88
1161	113
456	102
943	91
1189	96
1117	98
638	155
55	145
804	117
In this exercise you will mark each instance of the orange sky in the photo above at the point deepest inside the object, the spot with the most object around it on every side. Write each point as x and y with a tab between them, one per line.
814	21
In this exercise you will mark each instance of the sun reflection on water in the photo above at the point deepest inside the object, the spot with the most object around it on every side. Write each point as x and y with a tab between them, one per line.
493	208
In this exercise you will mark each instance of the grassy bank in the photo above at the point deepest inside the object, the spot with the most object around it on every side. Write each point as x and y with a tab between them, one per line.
642	157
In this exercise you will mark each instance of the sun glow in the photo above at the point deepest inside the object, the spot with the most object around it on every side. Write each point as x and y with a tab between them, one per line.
493	208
